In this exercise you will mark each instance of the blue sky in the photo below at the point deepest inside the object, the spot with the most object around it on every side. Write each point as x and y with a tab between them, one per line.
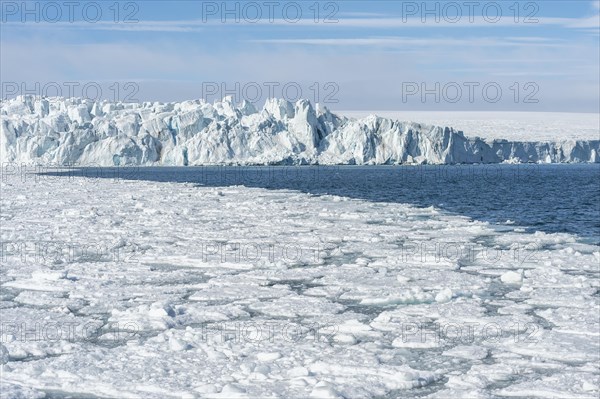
361	55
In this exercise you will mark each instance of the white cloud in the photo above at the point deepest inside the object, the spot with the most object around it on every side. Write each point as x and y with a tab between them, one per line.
197	25
404	42
585	23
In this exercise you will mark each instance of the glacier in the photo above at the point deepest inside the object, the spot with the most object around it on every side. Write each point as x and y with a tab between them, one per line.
77	131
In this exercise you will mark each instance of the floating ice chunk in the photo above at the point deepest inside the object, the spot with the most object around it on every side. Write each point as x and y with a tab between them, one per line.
206	388
268	356
412	295
511	277
347	339
444	295
230	391
325	391
177	344
51	275
298	372
158	309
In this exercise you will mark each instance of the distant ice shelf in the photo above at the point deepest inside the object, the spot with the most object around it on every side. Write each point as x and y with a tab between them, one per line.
66	131
502	125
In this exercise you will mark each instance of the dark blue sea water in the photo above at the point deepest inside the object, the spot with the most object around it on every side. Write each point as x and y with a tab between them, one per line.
549	198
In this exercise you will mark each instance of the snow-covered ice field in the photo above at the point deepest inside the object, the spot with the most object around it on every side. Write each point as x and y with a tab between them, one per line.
516	126
139	289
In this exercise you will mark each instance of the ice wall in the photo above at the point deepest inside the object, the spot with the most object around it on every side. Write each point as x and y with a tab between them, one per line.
84	132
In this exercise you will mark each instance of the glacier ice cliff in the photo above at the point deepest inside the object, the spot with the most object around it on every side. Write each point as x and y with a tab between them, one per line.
83	132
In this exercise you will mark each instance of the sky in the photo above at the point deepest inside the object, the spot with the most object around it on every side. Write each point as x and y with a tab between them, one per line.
348	55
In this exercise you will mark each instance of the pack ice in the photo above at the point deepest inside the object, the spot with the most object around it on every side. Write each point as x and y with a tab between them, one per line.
156	290
81	131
